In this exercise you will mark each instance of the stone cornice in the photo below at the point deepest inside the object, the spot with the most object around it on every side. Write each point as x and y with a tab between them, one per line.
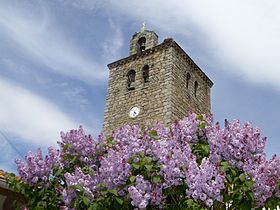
138	55
164	45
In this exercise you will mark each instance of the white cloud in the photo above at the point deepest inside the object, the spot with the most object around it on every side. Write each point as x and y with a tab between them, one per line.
41	40
111	45
242	35
31	117
86	4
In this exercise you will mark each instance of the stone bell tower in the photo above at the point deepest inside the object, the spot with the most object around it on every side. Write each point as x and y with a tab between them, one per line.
156	82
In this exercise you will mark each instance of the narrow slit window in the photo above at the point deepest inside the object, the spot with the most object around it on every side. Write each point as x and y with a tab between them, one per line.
188	78
145	71
195	88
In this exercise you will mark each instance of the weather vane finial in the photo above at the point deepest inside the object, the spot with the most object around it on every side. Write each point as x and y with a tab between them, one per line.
143	27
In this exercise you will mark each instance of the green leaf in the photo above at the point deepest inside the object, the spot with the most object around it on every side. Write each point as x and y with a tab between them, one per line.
110	139
205	148
236	180
251	195
86	201
245	206
242	177
149	167
233	171
224	166
200	117
229	178
73	160
104	192
58	172
189	202
91	207
142	154
94	206
41	192
119	200
237	196
42	204
67	146
148	159
114	192
78	188
202	125
156	179
135	165
249	183
154	134
132	179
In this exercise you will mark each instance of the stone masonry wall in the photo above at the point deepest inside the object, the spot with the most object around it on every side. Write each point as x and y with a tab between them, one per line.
153	98
183	97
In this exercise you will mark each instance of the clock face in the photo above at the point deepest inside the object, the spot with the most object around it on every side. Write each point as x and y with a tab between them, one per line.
134	112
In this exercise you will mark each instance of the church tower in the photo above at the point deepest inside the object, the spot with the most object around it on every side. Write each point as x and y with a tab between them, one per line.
156	82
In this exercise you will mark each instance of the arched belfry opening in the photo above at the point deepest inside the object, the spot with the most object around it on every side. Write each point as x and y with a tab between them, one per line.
141	44
143	40
131	79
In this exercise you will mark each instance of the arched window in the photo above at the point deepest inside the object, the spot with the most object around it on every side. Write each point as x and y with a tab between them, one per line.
188	78
145	71
131	80
141	44
195	88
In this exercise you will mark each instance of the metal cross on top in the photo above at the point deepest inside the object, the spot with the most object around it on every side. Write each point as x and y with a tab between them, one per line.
143	27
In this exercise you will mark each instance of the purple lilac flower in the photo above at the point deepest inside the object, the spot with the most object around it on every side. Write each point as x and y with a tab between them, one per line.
186	129
156	196
241	147
114	169
140	193
86	181
265	178
174	158
68	195
38	169
205	182
77	143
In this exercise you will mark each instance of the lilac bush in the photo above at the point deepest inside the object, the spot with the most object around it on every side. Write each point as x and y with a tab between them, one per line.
195	164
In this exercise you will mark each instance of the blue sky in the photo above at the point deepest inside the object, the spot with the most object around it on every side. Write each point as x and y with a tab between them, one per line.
53	57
